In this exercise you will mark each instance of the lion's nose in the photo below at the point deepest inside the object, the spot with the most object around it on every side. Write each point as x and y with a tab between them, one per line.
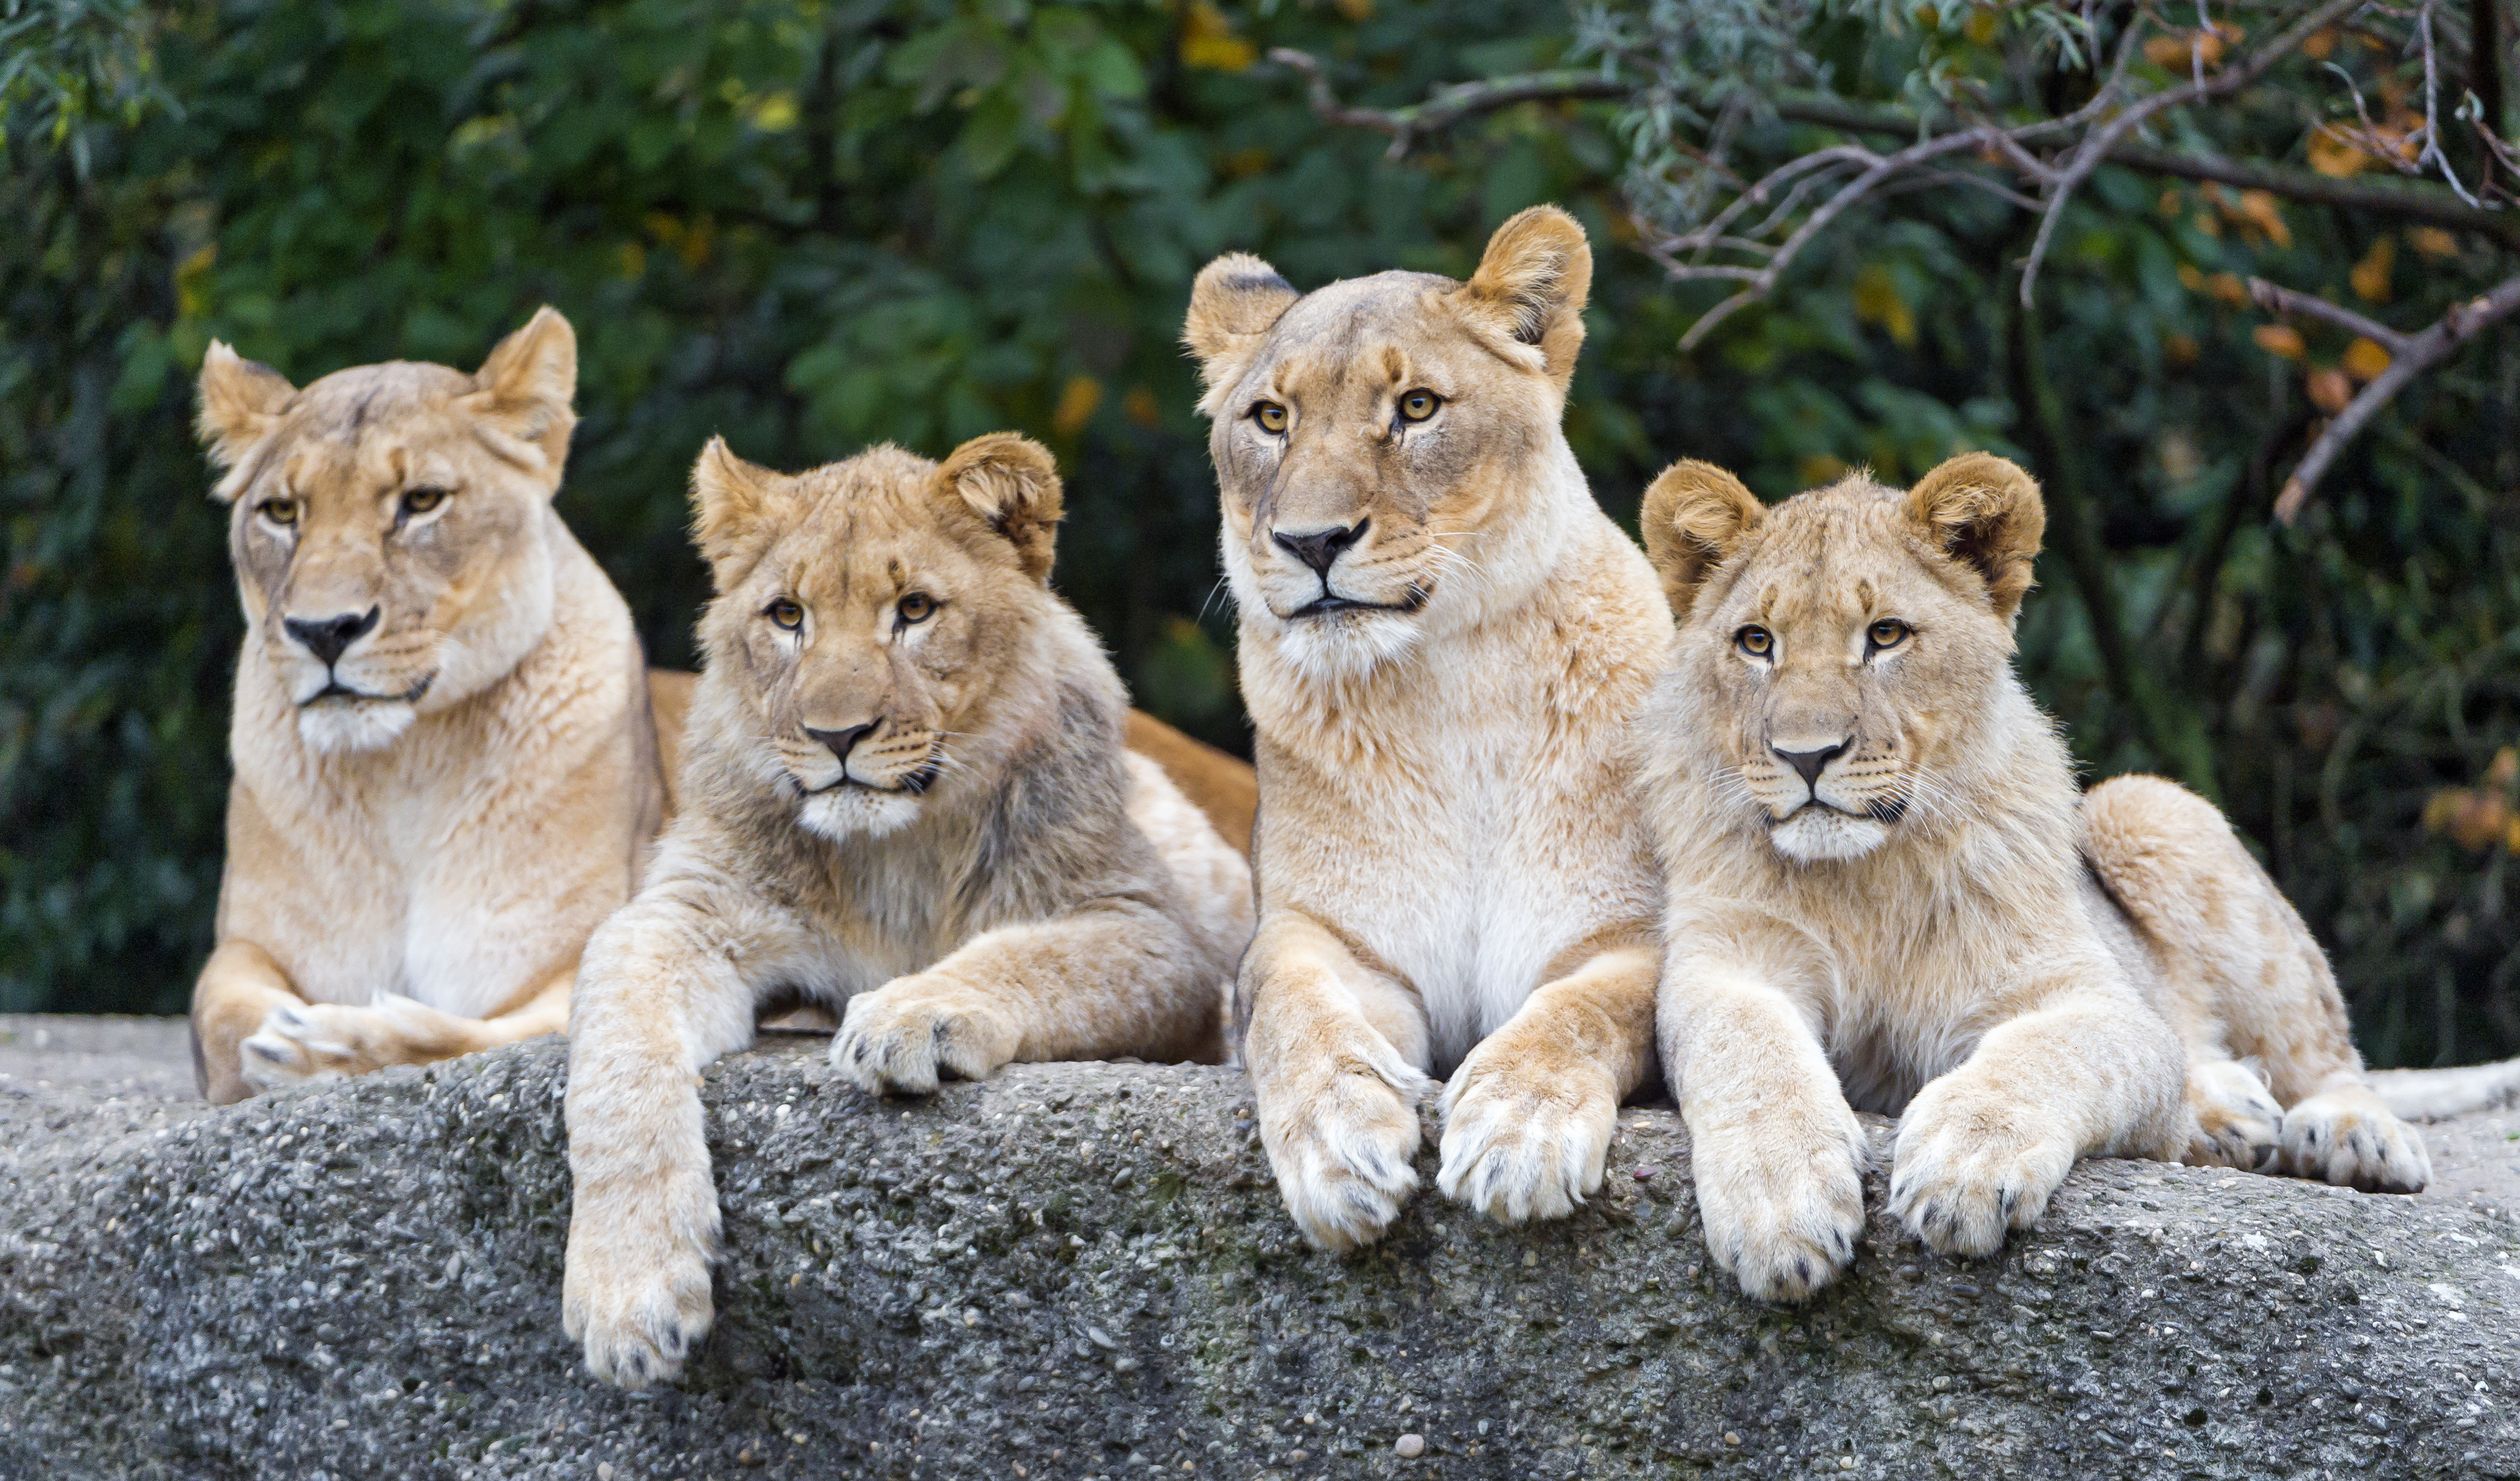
1810	763
327	638
841	741
1320	548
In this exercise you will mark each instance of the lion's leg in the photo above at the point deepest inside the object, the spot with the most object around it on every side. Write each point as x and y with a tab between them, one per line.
1777	1152
2088	1070
322	1041
659	996
240	986
1528	1115
1338	1056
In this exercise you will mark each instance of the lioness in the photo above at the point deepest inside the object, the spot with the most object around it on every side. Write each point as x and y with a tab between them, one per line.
1878	895
445	769
1442	638
904	789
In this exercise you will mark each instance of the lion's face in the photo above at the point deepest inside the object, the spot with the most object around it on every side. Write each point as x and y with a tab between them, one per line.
389	525
1375	439
1845	646
867	610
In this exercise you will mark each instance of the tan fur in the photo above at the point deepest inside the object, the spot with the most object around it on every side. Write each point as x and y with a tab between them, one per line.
1879	897
1224	786
411	874
1452	879
913	805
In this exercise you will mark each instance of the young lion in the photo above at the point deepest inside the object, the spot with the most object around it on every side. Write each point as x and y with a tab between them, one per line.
1878	896
445	768
1442	639
904	789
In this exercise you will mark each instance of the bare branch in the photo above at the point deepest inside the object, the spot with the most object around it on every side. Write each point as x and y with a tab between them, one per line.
2283	300
1447	105
2421	353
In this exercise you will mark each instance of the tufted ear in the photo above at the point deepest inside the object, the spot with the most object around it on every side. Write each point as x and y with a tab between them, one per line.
1012	482
1984	512
737	509
1236	301
240	402
1695	517
526	385
1531	285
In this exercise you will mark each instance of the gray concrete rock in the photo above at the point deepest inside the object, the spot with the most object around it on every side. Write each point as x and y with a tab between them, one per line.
1083	1271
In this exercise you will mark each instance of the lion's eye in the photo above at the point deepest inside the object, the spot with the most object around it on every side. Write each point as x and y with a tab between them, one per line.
1271	416
918	607
1755	640
420	500
785	614
279	511
1418	405
1889	632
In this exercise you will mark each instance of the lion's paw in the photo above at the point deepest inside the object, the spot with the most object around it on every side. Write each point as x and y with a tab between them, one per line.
2348	1138
907	1035
2237	1122
1523	1139
298	1041
636	1288
1342	1132
1782	1197
1972	1163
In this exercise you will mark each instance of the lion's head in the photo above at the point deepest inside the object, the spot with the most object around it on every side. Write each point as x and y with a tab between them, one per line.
1379	441
390	525
1842	657
868	612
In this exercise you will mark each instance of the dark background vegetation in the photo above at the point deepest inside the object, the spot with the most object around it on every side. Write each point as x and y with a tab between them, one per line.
812	226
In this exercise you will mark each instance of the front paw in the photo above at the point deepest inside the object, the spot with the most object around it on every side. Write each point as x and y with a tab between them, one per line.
636	1290
298	1041
2348	1138
1524	1136
1340	1131
905	1036
1972	1163
2236	1122
1782	1196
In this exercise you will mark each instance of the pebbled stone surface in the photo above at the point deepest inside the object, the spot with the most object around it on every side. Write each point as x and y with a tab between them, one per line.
1082	1271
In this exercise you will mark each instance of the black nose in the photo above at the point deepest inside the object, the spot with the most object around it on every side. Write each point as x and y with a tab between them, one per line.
1809	763
327	636
841	741
1320	548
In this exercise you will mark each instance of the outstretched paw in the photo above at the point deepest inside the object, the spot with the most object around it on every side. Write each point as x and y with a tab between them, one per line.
2237	1122
636	1289
327	1041
1341	1131
1973	1162
1782	1196
1525	1138
906	1036
2348	1138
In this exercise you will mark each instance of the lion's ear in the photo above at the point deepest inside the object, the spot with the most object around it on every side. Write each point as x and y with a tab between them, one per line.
1695	517
1531	286
1236	301
1013	484
240	402
737	509
528	382
1985	512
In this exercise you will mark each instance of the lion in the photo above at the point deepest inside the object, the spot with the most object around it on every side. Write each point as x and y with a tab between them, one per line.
446	773
1886	893
1442	639
904	794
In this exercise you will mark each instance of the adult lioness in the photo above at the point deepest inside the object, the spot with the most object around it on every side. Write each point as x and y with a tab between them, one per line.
1878	896
445	770
904	790
1442	637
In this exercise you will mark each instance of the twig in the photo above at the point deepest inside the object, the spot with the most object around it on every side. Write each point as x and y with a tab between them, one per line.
2276	299
1447	105
2420	354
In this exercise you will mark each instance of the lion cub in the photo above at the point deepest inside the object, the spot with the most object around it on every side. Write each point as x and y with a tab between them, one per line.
1442	639
903	789
1880	898
446	771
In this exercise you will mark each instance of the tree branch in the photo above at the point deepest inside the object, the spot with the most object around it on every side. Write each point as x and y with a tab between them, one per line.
1447	105
2283	300
2421	353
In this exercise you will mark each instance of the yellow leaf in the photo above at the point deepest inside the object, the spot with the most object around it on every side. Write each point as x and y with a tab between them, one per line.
2370	276
1357	12
1981	24
1077	401
2319	45
2192	277
1816	469
2365	360
2329	390
2280	339
1877	302
2332	156
1209	41
2228	288
2433	241
2258	209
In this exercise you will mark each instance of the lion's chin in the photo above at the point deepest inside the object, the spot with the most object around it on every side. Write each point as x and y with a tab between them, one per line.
1347	644
842	813
339	727
1824	834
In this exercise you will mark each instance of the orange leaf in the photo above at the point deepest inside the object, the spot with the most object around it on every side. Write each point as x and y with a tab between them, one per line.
2280	339
2365	360
2329	390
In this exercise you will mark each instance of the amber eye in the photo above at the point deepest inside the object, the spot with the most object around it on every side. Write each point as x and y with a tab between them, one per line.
918	607
420	500
1418	405
1889	632
279	511
1755	640
1271	416
785	614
